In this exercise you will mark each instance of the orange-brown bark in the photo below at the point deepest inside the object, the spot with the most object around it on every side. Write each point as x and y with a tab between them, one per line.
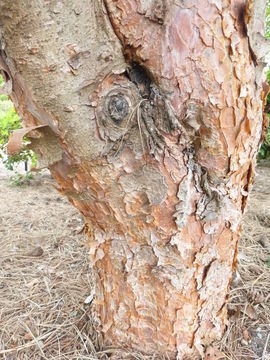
156	149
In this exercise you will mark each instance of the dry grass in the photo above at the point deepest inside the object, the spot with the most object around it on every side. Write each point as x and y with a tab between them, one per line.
45	278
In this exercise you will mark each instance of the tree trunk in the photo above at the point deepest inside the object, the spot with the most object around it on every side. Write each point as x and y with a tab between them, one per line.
153	115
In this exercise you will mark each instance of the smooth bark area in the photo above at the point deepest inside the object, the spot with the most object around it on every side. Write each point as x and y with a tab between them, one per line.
154	114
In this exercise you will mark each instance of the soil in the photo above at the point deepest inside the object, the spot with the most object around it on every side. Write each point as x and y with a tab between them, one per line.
46	280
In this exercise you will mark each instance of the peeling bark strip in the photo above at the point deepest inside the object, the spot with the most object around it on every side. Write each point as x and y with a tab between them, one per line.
155	111
15	143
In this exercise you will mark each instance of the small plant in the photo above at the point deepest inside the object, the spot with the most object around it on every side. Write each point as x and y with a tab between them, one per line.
264	152
21	179
10	121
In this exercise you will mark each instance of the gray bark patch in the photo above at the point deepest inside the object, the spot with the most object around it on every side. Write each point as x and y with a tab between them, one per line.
148	180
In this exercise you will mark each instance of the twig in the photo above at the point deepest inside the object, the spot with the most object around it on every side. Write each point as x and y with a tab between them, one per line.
18	348
265	347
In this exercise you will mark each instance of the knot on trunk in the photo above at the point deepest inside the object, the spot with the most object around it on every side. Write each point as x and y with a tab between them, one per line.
118	107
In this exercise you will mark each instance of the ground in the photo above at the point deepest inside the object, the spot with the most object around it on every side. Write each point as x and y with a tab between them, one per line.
45	278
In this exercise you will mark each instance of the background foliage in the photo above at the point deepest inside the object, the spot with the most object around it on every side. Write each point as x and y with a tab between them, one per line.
264	152
10	121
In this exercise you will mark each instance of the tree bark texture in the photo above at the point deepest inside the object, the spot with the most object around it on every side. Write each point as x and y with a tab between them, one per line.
153	115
